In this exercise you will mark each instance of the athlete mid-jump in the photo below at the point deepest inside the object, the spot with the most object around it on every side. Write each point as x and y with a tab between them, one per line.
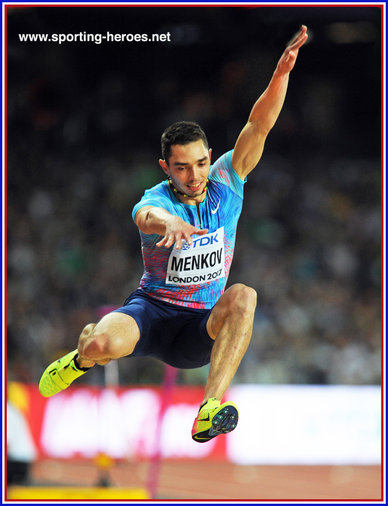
180	313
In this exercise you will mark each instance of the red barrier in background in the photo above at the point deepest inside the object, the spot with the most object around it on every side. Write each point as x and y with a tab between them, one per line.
122	423
325	425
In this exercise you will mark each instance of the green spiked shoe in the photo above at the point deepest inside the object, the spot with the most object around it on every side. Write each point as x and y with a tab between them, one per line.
60	374
214	419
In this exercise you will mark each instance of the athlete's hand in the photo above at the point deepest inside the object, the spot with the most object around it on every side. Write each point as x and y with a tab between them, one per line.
178	230
288	58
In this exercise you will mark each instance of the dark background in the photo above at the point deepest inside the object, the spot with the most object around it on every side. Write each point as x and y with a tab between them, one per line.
83	139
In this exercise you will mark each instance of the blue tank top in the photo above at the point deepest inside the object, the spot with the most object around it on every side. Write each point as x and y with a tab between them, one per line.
196	275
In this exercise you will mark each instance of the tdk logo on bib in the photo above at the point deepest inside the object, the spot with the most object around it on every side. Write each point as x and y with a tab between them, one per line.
204	240
199	262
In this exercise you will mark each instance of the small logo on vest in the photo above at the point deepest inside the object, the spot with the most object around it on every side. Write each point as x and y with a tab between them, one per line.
216	209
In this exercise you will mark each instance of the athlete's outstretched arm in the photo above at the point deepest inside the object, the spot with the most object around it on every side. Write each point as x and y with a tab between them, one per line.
250	143
156	220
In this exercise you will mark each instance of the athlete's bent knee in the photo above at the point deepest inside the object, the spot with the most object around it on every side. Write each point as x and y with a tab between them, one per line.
87	330
100	343
85	335
114	336
92	345
244	299
105	344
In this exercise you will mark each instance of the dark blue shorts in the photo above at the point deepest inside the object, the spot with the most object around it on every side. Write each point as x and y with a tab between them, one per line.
174	334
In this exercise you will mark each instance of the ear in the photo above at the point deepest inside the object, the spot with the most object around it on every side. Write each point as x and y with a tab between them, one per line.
210	154
164	166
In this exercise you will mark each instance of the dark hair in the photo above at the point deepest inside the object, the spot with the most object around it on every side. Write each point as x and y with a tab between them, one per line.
181	132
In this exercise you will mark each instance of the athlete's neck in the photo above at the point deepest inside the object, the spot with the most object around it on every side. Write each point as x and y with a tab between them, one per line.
188	199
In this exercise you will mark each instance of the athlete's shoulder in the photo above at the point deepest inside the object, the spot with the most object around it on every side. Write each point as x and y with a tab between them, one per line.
159	189
222	171
158	196
223	162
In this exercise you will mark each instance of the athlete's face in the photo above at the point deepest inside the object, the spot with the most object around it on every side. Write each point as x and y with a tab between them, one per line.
188	167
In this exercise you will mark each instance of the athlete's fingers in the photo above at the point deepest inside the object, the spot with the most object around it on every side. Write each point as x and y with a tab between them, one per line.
299	36
165	241
178	243
200	231
299	39
188	238
298	44
162	242
170	241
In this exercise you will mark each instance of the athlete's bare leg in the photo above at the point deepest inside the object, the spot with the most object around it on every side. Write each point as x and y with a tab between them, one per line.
114	336
230	324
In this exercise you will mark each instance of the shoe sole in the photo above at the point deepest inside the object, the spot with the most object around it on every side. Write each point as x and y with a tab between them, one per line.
223	422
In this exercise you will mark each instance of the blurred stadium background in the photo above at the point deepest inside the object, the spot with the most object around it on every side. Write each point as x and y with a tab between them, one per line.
83	132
